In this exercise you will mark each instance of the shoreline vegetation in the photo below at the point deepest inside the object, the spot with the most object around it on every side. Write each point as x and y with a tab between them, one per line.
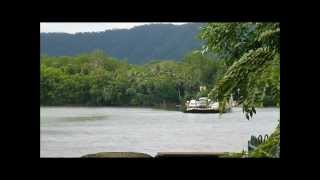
96	79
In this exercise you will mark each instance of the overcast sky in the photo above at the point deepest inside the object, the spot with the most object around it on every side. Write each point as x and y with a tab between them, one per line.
87	27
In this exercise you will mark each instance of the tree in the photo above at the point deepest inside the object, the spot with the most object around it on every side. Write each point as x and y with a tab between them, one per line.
248	73
252	52
100	80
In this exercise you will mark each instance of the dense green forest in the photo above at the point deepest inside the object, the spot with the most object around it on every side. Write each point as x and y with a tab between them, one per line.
137	45
98	79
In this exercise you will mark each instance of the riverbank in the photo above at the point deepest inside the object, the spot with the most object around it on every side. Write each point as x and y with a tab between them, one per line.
171	106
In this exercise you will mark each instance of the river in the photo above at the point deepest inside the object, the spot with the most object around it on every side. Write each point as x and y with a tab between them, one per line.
76	131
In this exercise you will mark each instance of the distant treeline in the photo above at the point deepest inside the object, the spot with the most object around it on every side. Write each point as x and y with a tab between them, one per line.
137	45
101	80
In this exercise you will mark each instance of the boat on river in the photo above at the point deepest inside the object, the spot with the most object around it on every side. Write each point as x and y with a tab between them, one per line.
205	105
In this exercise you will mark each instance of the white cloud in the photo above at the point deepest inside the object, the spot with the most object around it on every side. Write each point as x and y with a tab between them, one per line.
71	27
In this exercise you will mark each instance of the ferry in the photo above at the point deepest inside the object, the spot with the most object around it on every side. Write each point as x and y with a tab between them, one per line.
204	105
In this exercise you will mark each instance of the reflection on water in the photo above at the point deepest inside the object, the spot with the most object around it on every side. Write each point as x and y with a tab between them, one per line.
75	131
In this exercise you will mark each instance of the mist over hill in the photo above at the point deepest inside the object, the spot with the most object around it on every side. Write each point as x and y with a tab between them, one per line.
137	45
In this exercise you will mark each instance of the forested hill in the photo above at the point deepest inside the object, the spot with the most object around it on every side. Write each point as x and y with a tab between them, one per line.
138	45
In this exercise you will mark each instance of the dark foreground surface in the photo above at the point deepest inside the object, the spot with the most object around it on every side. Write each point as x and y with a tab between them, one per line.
117	155
163	155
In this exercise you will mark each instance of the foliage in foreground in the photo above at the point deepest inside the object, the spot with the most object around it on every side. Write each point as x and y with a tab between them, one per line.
270	148
252	56
252	53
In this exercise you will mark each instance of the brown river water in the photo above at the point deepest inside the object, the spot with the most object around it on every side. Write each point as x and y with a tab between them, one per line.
76	131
